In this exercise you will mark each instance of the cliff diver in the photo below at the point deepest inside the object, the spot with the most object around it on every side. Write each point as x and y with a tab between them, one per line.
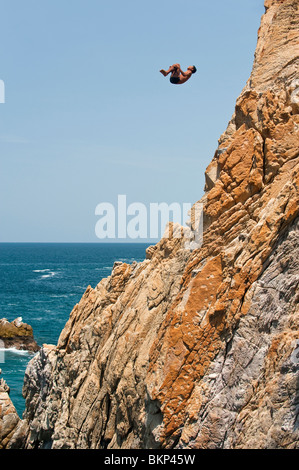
178	77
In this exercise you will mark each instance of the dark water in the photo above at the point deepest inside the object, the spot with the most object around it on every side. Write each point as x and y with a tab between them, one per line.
41	282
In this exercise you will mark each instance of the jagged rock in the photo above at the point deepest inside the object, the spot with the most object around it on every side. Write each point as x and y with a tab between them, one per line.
17	334
10	422
197	348
249	395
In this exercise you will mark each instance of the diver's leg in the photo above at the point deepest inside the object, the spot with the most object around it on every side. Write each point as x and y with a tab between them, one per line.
171	69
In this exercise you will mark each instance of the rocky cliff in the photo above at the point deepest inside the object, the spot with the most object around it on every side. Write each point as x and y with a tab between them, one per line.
196	349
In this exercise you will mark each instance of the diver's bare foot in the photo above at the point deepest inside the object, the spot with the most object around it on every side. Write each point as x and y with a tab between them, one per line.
163	72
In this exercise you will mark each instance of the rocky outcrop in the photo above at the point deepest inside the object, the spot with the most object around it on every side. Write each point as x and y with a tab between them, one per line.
197	348
12	429
102	355
18	335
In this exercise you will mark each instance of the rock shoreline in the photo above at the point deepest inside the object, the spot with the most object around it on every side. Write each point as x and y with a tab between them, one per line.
18	335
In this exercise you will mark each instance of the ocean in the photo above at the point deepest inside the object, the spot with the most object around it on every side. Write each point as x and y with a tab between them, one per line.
41	282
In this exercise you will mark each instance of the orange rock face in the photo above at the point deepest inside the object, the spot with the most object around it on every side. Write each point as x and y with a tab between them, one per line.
253	199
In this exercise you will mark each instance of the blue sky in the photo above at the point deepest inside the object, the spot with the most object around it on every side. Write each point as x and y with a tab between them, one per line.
88	116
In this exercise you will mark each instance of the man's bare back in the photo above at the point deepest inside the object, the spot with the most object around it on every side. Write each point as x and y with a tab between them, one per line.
177	75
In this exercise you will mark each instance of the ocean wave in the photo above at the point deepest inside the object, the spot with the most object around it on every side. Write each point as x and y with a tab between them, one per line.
18	352
103	268
64	296
48	273
41	270
127	260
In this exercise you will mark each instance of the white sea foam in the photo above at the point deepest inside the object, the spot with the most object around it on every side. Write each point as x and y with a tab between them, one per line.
47	273
40	270
127	260
59	296
18	352
50	274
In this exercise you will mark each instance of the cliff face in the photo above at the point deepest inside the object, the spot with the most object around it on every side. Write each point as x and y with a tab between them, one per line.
197	349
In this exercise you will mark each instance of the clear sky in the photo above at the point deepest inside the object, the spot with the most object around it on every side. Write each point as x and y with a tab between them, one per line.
87	115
